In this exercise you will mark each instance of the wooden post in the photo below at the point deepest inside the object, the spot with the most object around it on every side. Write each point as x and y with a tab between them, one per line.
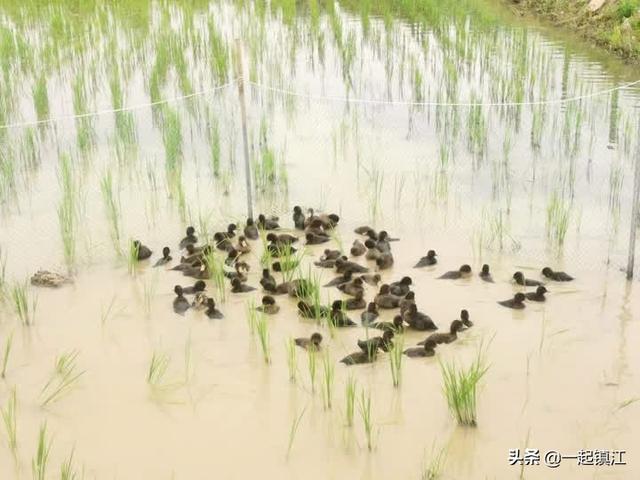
243	114
635	210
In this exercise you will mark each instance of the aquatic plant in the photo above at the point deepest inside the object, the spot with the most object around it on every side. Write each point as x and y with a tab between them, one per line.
215	266
558	216
41	98
5	356
158	367
24	303
350	400
328	371
67	470
9	419
112	209
364	407
395	360
63	379
312	367
292	361
132	257
252	315
294	430
262	328
39	462
67	210
432	468
149	288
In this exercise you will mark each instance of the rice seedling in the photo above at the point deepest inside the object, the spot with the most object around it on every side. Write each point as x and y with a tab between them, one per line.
67	210
5	356
215	265
292	360
63	379
364	407
461	388
350	399
40	461
312	364
10	421
41	98
432	468
558	217
395	360
215	148
149	288
289	261
112	209
132	257
158	367
294	430
262	328
252	316
3	273
67	469
24	303
328	372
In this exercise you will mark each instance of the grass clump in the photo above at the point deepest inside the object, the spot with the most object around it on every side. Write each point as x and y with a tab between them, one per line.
292	360
262	328
328	373
40	461
313	368
10	421
5	356
432	468
395	360
364	407
67	210
350	400
294	429
157	369
23	303
112	209
64	378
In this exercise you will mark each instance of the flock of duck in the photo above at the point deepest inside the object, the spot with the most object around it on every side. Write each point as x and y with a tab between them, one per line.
350	280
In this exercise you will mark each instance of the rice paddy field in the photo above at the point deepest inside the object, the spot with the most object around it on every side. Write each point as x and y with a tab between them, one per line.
451	124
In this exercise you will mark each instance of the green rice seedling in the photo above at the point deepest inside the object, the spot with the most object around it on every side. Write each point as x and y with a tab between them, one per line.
292	360
395	360
432	467
461	388
67	469
312	364
9	418
158	367
39	462
350	399
24	303
214	142
289	261
63	379
252	316
262	328
149	288
106	314
67	209
364	407
132	257
41	98
5	356
3	273
112	209
558	217
294	430
328	373
215	265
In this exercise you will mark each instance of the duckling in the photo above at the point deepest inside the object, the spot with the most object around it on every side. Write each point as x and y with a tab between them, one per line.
199	271
519	278
166	257
232	257
222	242
370	315
238	287
383	243
212	311
427	261
464	318
312	311
358	248
384	343
267	223
243	246
316	239
286	266
538	295
372	251
384	299
298	218
557	276
338	317
312	343
190	239
438	338
180	304
427	350
231	231
331	254
278	250
342	265
142	252
282	239
344	278
418	320
299	288
396	326
250	230
385	261
517	302
355	303
363	230
371	279
358	358
408	300
401	288
268	305
200	300
463	272
329	221
325	263
353	288
282	288
315	227
239	272
199	286
485	274
267	281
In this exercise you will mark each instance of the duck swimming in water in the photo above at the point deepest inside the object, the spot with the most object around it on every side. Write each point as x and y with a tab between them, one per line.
222	242
408	300
418	320
212	311
307	310
464	318
344	278
556	276
360	357
267	223
298	218
372	251
282	239
538	295
142	252
338	318
384	343
519	278
190	239
438	338
384	261
166	257
517	302
358	248
372	279
180	304
427	261
251	230
463	272
232	257
315	238
343	265
353	288
355	303
384	298
268	305
401	288
331	254
312	343
485	274
243	246
363	230
199	286
238	287
370	315
427	350
396	326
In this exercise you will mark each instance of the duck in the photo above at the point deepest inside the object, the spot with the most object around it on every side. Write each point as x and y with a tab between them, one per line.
418	320
342	265
199	271
315	227
372	279
329	254
315	238
222	242
282	239
363	230
384	261
313	343
464	318
200	300
538	295
344	278
485	274
438	338
360	357
281	288
286	266
383	244
166	257
384	343
142	252
212	311
312	311
298	218
372	251
190	239
267	223
408	300
355	303
384	299
278	250
517	302
268	305
251	230
232	257
180	304
243	246
358	248
300	288
199	286
238	287
329	221
231	231
337	317
353	288
396	326
427	350
239	272
328	263
463	272
427	261
519	278
370	315
401	288
556	276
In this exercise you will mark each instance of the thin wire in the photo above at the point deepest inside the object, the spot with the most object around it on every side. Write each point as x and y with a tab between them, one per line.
442	104
117	110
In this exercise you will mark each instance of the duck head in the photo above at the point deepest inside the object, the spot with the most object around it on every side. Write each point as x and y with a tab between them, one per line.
372	308
485	269
519	297
316	339
268	300
518	277
384	289
348	275
406	281
211	303
231	229
190	231
387	335
431	254
336	305
464	316
356	281
165	252
261	218
547	272
272	237
249	222
178	290
410	296
235	282
199	286
372	234
265	273
383	235
430	344
297	210
541	290
334	218
277	267
369	243
191	249
233	253
397	321
465	269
